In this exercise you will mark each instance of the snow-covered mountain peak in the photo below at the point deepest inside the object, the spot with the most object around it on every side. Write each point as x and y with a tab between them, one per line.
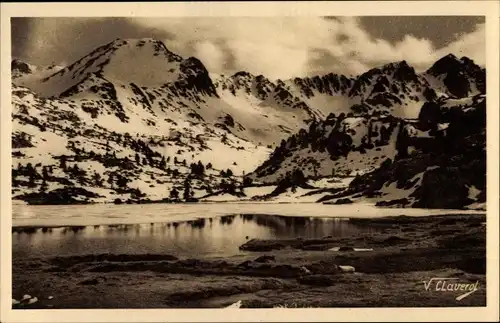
457	77
445	64
137	115
401	71
22	70
246	83
19	67
328	83
155	45
146	62
389	77
452	64
242	74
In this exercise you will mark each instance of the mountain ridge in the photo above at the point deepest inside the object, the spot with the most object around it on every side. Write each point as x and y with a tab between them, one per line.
230	122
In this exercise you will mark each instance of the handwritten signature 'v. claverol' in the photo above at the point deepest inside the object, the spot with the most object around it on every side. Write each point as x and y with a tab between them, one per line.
446	285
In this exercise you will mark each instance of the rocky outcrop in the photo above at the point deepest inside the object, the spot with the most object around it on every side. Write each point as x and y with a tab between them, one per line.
444	170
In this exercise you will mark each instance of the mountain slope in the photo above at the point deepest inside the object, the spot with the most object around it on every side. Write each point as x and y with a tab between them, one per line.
394	89
356	142
93	116
146	62
445	169
457	78
323	94
338	146
145	73
132	119
256	96
57	145
23	72
436	161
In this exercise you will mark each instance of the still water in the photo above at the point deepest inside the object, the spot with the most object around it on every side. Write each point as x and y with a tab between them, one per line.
218	236
191	230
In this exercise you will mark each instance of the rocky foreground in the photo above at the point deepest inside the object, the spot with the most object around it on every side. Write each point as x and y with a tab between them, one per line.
384	269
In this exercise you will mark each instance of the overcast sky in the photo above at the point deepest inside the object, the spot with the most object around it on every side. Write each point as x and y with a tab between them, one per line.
278	47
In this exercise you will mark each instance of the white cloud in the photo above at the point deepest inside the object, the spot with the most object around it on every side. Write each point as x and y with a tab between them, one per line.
270	59
289	46
373	52
278	47
472	45
415	51
210	54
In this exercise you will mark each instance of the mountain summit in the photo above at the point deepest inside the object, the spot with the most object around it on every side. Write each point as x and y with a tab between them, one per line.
145	62
457	77
132	116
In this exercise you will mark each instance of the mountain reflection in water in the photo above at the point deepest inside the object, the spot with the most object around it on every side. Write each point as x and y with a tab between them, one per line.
203	237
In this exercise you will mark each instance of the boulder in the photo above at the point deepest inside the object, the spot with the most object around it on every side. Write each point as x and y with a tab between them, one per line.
261	245
347	269
33	300
323	267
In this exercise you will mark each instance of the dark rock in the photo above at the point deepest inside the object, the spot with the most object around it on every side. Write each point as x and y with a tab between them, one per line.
194	263
245	264
323	267
18	65
398	203
472	239
285	271
265	258
60	196
393	240
343	201
262	245
221	264
316	280
92	281
443	188
65	262
316	247
196	77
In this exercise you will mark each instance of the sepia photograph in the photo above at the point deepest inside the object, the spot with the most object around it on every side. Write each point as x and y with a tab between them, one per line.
247	162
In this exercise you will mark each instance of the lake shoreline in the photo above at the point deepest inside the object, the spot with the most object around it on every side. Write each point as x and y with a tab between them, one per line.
110	214
32	228
381	204
298	272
